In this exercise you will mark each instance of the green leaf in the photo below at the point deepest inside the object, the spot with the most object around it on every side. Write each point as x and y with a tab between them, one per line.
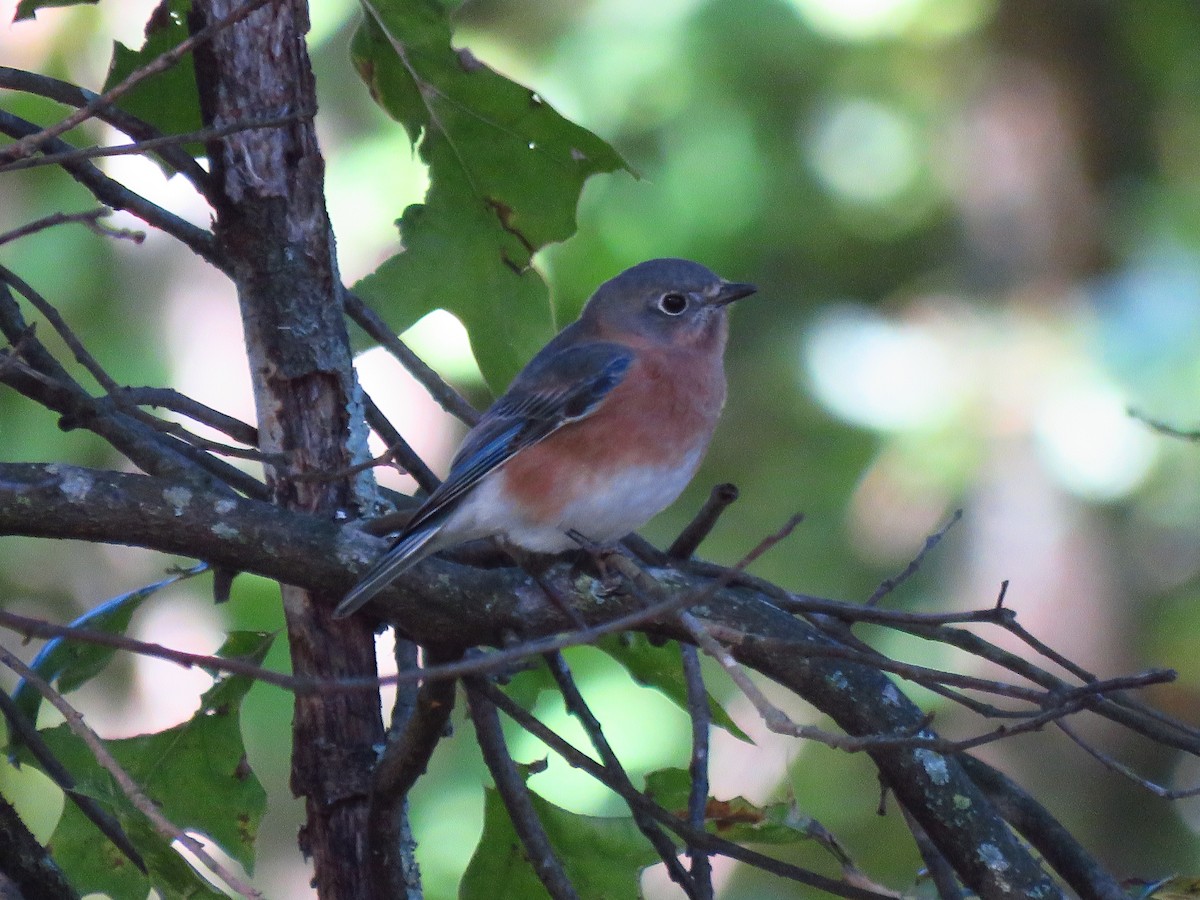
602	856
167	100
27	8
73	663
739	820
196	773
505	175
660	667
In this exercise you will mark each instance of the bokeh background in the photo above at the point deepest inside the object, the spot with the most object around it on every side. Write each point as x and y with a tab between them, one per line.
975	229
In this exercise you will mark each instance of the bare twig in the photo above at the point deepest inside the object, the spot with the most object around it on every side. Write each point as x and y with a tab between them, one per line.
72	95
1186	434
148	145
371	322
90	218
59	324
701	719
576	705
698	529
890	584
23	730
539	852
399	447
129	788
112	193
1123	770
940	871
31	143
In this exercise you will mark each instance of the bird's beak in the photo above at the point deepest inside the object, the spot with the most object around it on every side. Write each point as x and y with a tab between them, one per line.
732	290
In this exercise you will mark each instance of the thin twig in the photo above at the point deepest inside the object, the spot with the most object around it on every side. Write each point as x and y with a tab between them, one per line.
940	871
689	540
692	836
31	143
371	322
73	95
112	193
539	852
23	731
1186	434
1123	770
89	218
148	145
128	786
399	447
576	705
59	324
890	584
701	718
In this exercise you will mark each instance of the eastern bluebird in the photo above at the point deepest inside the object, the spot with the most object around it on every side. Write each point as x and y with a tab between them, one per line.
602	429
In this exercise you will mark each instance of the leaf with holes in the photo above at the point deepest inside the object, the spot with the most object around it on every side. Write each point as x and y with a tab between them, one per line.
505	173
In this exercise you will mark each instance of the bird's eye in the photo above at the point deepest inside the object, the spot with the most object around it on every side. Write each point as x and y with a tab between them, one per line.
673	304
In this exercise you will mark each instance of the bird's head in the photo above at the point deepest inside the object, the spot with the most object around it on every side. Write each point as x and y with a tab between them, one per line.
664	301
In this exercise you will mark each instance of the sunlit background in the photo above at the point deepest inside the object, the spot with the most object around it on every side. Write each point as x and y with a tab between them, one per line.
974	228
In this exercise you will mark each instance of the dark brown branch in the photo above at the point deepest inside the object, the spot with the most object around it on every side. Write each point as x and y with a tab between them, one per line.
404	760
538	850
1045	833
274	233
701	719
169	398
25	866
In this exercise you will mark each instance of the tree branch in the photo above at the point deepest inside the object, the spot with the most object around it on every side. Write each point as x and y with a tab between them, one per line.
439	602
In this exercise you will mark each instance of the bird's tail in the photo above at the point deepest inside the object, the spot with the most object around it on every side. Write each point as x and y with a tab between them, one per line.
407	552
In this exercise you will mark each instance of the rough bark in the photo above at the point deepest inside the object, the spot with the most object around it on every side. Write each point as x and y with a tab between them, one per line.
447	604
274	236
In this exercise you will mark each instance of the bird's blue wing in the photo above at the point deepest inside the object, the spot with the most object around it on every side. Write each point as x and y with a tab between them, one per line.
561	384
557	387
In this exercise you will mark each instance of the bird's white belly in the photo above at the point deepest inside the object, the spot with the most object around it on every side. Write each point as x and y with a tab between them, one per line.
610	508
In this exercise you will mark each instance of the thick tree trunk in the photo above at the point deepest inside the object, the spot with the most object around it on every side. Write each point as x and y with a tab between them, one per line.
275	237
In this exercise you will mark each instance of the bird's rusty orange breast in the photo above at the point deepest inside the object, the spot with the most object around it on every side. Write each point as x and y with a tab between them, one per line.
663	411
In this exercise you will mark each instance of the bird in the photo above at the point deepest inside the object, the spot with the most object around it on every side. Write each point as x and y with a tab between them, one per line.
601	431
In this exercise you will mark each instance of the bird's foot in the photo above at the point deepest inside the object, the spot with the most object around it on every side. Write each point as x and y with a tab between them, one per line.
611	580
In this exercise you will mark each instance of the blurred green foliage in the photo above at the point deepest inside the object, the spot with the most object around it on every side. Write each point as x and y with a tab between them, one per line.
973	225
